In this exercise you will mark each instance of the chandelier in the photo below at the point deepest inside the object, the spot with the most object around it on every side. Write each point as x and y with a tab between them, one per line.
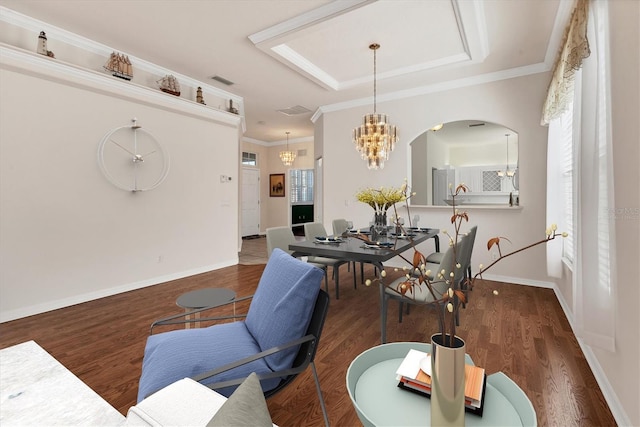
375	138
287	156
507	172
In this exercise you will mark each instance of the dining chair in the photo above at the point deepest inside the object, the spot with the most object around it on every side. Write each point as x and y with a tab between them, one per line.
340	226
281	238
436	257
316	229
420	294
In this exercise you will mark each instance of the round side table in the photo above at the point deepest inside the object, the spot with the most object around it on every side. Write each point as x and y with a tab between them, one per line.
202	298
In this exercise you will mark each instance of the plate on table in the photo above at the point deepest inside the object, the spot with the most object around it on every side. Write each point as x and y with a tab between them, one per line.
422	230
403	236
363	232
320	239
379	245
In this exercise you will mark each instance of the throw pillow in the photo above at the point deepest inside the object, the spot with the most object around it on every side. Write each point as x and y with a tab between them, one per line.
245	407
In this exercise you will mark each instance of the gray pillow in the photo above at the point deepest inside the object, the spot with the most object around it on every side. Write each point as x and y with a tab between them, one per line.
245	407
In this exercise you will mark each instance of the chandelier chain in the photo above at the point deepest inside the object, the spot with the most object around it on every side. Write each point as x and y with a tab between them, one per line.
375	47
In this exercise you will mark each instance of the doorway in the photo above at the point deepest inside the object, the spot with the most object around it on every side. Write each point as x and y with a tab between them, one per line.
250	202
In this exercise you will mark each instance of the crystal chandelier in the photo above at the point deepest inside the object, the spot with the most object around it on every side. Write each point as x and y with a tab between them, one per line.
507	172
375	138
287	156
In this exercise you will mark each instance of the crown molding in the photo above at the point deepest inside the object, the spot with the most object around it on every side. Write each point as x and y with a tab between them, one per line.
278	143
434	88
322	13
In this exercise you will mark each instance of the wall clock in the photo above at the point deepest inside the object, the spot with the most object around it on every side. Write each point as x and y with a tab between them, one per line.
132	159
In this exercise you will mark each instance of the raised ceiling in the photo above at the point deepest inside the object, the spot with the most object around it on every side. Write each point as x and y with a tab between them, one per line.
314	53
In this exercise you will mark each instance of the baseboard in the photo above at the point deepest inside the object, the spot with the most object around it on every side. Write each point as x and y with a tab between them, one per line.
519	281
620	415
31	310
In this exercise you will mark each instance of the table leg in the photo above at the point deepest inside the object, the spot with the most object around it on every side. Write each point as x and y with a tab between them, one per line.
383	312
187	325
195	316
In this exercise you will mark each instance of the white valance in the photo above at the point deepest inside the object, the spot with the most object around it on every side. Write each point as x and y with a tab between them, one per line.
575	48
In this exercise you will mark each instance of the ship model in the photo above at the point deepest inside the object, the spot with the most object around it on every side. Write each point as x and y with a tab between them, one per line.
119	66
169	84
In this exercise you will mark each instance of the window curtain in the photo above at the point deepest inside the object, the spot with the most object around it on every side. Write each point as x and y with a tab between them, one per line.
575	48
594	276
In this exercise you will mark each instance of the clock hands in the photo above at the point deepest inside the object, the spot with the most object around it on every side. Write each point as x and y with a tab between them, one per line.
137	158
123	148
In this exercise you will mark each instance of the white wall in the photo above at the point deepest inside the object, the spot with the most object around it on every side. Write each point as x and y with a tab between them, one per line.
515	103
67	234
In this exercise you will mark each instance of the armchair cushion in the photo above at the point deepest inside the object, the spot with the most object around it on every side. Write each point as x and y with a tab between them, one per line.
172	356
286	296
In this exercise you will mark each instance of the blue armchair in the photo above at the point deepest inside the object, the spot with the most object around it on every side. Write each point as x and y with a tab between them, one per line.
277	340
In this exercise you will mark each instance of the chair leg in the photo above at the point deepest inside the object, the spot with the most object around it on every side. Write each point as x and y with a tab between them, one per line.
326	279
362	273
336	278
324	409
355	284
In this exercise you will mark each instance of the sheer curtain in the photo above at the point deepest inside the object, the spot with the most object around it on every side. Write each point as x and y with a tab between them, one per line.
594	277
592	185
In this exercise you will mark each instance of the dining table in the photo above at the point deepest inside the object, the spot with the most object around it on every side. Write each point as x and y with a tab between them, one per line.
350	246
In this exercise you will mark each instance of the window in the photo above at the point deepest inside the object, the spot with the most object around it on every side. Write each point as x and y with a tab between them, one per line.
249	159
580	188
301	185
561	134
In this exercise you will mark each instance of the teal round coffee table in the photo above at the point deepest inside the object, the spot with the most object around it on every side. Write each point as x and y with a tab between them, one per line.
373	388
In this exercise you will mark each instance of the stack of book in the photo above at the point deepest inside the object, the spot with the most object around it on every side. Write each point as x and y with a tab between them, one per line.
414	375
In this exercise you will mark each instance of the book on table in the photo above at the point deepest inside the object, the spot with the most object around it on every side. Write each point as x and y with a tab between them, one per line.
414	374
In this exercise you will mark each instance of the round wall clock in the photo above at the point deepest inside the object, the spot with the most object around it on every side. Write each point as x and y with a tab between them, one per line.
132	159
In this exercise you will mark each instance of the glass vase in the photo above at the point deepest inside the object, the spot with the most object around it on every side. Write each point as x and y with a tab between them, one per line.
380	223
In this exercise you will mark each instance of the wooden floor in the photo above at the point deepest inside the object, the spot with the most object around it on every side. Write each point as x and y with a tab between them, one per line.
522	332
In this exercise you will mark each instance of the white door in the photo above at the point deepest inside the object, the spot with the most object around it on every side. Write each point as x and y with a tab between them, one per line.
250	201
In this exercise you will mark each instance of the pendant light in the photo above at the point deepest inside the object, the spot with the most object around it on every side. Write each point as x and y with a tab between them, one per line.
375	138
287	156
507	172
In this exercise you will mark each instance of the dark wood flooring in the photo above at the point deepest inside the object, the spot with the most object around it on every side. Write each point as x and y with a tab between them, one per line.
522	332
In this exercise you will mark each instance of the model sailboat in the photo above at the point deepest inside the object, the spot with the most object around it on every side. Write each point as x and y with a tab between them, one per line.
119	66
169	84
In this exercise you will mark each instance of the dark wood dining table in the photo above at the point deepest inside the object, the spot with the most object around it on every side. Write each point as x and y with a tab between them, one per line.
351	249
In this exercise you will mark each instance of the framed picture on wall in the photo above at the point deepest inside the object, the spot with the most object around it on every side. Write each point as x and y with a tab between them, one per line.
276	185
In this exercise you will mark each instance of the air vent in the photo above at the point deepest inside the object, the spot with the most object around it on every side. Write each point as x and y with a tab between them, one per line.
472	125
294	111
302	152
222	80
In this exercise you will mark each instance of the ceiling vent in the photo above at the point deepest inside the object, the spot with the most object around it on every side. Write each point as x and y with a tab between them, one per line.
294	111
302	152
472	125
222	80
